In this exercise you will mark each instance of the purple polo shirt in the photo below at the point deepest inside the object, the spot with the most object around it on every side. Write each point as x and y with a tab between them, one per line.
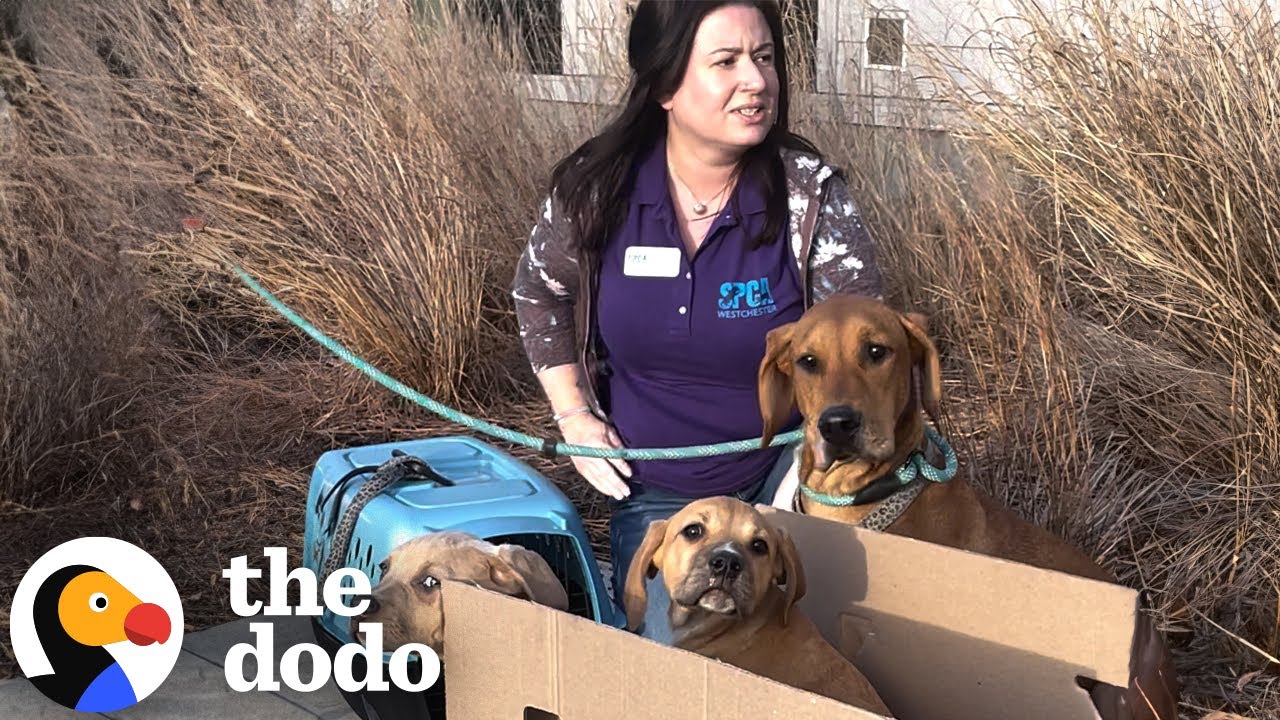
684	350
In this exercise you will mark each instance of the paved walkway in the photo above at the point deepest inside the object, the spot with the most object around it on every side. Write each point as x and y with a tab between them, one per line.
197	688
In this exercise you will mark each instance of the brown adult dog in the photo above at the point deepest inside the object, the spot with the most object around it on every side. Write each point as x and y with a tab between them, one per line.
722	562
407	599
850	366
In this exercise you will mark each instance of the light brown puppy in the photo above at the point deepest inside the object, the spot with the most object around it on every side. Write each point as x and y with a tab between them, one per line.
850	365
407	599
723	564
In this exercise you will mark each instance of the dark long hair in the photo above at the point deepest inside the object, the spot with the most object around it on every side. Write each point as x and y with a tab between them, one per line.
590	184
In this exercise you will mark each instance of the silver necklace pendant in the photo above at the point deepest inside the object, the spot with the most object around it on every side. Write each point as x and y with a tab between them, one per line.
699	208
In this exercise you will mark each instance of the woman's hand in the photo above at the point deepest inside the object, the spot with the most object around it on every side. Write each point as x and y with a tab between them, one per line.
588	430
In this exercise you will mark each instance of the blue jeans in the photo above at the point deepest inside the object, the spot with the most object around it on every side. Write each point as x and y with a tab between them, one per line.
630	520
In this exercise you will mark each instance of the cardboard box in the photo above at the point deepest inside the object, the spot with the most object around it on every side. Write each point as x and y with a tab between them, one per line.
941	633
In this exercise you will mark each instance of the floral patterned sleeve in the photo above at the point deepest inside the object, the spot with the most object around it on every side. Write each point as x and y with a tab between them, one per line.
545	289
843	259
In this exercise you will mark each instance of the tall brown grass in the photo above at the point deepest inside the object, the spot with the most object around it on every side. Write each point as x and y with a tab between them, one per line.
1098	258
353	178
1098	246
71	327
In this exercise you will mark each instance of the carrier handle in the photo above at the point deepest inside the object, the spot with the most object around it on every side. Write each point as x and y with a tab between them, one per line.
421	470
400	467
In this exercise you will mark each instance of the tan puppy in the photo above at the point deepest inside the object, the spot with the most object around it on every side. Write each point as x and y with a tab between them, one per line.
722	563
849	365
407	599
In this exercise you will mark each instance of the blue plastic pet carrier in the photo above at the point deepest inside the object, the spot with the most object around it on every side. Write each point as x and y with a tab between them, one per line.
449	483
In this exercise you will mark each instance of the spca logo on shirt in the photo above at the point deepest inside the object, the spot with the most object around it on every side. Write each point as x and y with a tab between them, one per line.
745	299
96	624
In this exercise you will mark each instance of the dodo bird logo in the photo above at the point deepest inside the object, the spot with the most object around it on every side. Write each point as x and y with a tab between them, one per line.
96	624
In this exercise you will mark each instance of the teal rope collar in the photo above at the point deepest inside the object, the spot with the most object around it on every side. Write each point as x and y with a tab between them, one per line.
915	466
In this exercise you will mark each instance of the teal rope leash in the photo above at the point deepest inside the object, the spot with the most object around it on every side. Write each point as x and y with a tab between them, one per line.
916	465
511	436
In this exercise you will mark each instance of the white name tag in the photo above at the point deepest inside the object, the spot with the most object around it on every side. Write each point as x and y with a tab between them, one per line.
644	261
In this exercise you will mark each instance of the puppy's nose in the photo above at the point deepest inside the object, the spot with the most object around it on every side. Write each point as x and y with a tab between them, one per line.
839	424
373	606
726	562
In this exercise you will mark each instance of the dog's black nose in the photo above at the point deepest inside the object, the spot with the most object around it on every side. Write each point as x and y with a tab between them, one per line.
372	608
726	562
839	424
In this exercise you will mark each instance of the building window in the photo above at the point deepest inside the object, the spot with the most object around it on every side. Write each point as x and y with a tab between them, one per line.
538	23
800	26
885	42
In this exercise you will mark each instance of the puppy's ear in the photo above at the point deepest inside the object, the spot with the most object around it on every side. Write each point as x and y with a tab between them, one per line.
773	381
644	566
506	578
788	571
924	358
543	585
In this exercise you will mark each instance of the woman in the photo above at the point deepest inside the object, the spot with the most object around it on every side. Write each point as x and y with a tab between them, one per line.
679	236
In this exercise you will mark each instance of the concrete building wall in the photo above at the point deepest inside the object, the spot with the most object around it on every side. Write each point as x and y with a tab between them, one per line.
594	47
962	33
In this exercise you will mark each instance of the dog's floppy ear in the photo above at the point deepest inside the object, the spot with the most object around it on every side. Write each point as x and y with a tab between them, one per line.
789	571
924	357
508	579
773	381
644	565
539	582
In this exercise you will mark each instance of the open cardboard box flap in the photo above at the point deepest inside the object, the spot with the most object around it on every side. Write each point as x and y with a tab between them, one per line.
942	633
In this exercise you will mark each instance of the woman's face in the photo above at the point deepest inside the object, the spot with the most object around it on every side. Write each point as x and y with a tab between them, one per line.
728	97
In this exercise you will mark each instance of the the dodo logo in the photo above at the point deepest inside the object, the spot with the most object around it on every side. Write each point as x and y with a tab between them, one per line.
96	624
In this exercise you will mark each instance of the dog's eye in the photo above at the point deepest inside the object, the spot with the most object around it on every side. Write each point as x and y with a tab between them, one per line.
759	547
429	582
876	353
693	532
382	566
807	362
